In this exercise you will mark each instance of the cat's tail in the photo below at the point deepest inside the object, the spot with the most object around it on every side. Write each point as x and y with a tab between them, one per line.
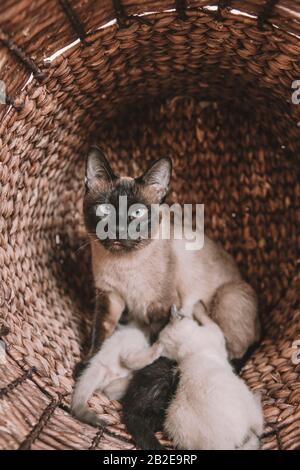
141	432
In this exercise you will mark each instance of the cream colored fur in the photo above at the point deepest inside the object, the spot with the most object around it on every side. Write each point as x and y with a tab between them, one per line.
164	273
212	408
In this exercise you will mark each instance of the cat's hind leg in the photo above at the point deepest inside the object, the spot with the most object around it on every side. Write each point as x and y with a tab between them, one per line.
92	378
234	308
117	388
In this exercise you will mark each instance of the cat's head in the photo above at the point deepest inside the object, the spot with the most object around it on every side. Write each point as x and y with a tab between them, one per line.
119	211
183	335
179	337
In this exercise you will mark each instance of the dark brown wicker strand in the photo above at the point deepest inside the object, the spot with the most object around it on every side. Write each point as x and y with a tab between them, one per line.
15	383
279	441
222	4
120	13
74	20
20	54
37	429
16	104
181	6
123	19
97	438
266	12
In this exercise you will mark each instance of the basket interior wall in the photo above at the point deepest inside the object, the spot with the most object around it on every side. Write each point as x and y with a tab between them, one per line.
216	100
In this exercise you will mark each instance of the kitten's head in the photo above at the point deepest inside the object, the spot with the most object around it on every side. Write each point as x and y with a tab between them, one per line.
183	336
117	210
178	337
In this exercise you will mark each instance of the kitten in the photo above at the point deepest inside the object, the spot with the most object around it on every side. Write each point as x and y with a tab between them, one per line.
147	276
105	371
213	409
147	397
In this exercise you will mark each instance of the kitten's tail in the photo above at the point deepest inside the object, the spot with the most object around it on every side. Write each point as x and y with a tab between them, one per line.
142	433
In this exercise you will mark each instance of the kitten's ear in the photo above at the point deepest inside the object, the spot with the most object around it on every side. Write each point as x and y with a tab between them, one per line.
97	167
158	176
175	313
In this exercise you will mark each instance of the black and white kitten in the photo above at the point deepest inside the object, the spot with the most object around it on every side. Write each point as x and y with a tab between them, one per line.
146	400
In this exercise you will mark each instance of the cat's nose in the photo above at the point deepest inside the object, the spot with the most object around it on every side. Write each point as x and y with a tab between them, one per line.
121	231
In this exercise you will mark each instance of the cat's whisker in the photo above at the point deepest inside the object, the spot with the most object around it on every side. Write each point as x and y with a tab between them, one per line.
91	240
82	246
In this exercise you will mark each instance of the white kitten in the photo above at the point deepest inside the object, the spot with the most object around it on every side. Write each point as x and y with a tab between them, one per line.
212	408
106	372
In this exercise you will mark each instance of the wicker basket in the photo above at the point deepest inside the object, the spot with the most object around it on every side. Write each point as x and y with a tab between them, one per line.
209	86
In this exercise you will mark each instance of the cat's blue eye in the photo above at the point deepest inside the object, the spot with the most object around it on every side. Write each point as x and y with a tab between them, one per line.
139	212
103	209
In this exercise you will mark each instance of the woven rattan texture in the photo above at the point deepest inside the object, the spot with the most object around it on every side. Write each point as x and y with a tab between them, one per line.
209	87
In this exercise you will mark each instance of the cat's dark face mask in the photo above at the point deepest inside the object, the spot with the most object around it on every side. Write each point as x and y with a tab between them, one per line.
122	213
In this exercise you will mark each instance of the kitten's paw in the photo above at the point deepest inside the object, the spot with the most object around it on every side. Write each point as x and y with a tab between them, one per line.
157	350
129	360
85	415
186	312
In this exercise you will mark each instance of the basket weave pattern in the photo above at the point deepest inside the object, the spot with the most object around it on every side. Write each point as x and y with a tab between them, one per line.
210	88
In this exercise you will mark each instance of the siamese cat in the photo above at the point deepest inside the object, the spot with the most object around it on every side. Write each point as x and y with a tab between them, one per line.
212	409
148	275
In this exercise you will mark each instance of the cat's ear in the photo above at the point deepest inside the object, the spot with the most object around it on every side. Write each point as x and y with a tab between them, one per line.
97	168
158	176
